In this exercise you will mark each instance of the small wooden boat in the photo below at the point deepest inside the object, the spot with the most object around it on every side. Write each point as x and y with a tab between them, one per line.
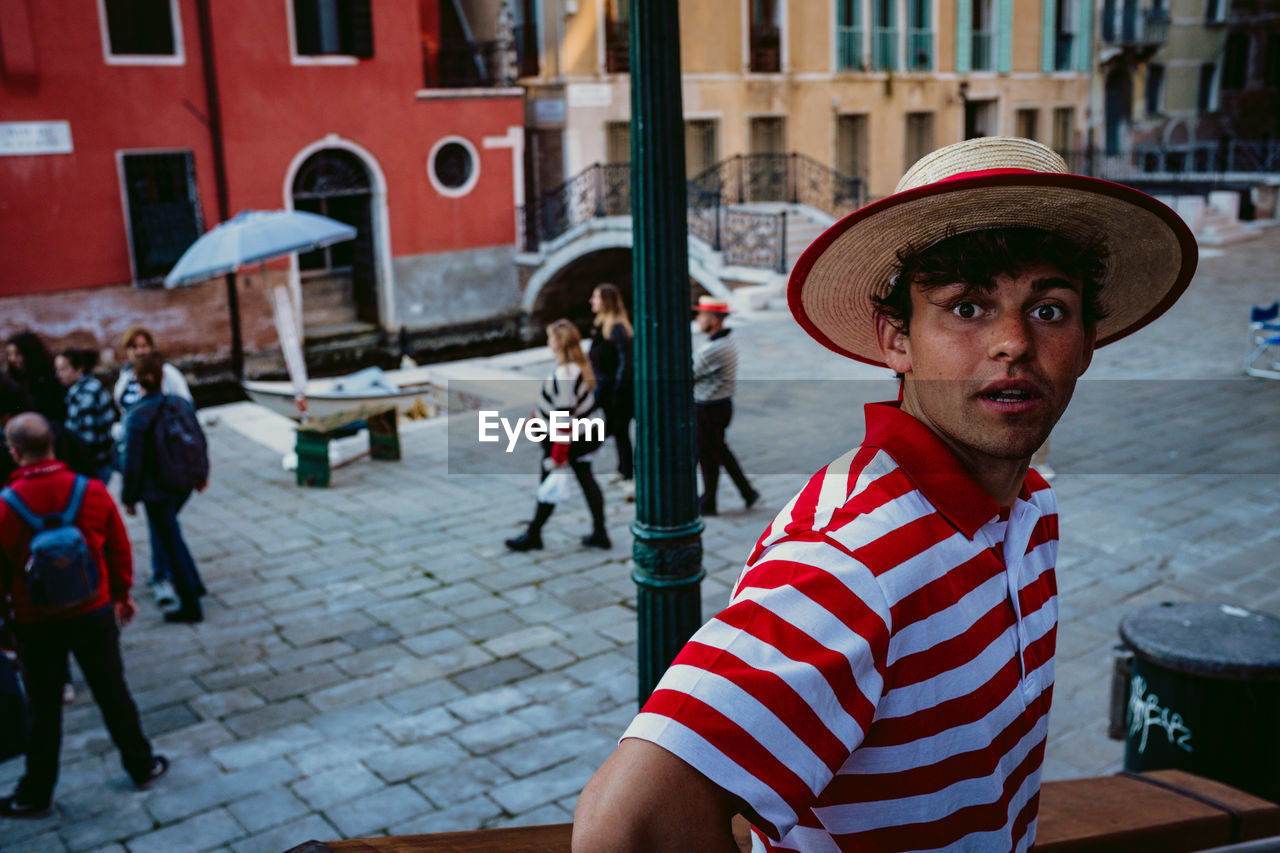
415	391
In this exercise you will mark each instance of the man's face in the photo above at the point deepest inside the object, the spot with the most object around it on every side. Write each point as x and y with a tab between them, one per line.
708	321
991	373
66	373
13	355
138	348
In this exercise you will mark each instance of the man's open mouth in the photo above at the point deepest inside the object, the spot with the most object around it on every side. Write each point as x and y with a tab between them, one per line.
1009	395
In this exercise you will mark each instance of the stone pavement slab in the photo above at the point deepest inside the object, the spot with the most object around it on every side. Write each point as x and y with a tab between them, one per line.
374	660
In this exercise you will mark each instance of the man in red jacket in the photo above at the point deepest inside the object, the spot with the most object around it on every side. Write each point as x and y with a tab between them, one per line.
90	630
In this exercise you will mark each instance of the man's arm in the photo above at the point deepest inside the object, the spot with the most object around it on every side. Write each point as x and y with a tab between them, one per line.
644	798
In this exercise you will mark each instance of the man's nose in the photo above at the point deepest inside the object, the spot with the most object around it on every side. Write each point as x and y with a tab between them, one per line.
1011	338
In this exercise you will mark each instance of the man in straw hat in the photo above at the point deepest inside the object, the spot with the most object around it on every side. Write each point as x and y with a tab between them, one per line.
881	678
715	374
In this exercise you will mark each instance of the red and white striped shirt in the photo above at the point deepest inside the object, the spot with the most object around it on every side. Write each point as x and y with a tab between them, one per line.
881	678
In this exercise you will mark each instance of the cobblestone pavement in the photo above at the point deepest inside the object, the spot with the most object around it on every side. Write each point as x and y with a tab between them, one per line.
374	660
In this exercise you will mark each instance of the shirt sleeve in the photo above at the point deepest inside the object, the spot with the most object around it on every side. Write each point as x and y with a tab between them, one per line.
173	382
770	697
115	548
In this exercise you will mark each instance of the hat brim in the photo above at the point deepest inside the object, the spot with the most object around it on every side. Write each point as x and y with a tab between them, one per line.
1152	253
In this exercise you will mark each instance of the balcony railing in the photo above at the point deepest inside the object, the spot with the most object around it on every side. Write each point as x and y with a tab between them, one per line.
1192	162
983	53
1130	26
884	48
849	52
471	64
919	49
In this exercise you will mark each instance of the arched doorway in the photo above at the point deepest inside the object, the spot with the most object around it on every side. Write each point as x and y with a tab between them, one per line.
568	292
340	282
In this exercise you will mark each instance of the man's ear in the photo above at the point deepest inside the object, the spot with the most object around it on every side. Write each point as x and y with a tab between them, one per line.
895	345
1090	340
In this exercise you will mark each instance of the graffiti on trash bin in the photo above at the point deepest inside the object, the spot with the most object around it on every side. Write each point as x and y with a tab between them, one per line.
1145	712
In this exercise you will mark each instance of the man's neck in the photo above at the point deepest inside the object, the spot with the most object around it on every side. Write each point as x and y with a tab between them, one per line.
1000	478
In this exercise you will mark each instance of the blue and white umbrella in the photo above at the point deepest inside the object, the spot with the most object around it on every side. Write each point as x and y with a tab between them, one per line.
255	236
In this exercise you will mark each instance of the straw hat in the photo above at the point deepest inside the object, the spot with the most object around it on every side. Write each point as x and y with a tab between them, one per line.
712	304
991	182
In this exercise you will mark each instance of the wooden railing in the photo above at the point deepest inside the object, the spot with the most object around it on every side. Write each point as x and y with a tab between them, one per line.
1166	810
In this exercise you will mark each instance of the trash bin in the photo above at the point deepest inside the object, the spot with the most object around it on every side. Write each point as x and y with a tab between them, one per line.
1204	695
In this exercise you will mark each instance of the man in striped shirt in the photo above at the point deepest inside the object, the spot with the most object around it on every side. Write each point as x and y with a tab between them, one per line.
881	678
715	373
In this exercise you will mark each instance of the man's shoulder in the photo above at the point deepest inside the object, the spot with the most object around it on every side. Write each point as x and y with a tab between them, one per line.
858	497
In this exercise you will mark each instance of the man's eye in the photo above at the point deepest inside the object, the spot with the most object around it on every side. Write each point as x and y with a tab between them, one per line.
966	310
1048	312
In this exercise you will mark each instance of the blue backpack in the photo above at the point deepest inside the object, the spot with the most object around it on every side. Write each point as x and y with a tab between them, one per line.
61	571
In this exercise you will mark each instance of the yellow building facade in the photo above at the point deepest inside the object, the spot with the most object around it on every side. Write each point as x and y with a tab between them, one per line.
862	86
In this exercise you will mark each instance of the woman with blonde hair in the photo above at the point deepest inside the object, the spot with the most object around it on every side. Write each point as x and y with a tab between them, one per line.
612	342
569	389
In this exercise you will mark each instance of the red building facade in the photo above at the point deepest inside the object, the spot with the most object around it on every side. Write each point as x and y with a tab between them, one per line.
129	127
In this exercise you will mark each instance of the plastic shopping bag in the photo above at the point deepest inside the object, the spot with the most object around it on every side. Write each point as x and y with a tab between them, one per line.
555	486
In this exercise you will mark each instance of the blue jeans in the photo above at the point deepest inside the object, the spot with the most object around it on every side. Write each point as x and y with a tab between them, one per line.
170	558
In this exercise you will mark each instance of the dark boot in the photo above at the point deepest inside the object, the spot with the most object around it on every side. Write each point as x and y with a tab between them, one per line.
531	539
598	539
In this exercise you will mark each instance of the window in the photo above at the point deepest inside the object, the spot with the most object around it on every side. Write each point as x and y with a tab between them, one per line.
984	36
768	135
1027	123
919	140
164	211
766	35
453	166
701	145
617	142
1235	61
852	154
1215	11
850	53
1155	88
1064	38
525	34
141	28
884	35
1205	94
980	119
919	36
1064	130
333	27
617	56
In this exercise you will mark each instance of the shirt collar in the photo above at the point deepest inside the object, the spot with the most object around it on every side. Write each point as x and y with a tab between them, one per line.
720	334
38	469
932	467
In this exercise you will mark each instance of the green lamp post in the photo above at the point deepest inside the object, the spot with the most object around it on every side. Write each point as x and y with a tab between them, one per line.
668	531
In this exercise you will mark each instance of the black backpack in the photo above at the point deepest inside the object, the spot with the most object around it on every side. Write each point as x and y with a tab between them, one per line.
61	571
181	453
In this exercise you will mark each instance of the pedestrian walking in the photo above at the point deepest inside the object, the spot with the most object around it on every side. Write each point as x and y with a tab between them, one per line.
163	483
31	366
612	361
57	613
568	391
138	343
882	675
715	373
90	410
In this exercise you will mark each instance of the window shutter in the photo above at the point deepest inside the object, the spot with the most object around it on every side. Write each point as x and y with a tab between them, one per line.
1084	39
964	36
1048	34
1004	36
357	27
306	24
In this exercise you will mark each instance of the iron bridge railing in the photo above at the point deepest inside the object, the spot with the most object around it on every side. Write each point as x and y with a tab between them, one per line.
718	203
1191	162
